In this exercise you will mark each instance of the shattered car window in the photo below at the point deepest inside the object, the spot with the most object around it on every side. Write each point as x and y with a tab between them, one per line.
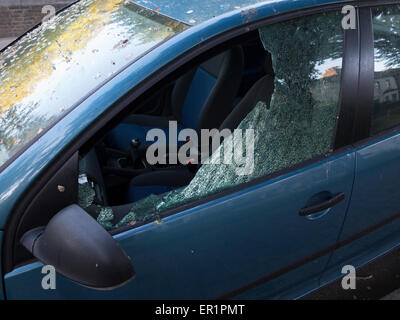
298	124
52	67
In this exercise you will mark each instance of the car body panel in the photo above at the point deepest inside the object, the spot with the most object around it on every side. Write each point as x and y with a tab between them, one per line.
375	199
212	249
22	171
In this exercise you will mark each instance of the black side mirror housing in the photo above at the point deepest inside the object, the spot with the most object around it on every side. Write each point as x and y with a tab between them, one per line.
80	250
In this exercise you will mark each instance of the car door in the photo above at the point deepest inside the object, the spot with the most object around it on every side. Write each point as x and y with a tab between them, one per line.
252	239
270	237
372	225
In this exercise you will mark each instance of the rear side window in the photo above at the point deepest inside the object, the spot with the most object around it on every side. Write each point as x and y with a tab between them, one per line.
386	112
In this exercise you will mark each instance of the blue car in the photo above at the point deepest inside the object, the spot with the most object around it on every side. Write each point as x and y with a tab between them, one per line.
104	193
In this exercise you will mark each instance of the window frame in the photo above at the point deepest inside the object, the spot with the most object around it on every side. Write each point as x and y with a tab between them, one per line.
344	124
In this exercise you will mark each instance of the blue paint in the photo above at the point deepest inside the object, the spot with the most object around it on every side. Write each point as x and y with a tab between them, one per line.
24	269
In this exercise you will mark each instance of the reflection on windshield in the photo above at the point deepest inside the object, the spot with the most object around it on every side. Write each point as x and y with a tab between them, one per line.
57	64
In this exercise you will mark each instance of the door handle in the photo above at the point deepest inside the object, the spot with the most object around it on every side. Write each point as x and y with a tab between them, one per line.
322	206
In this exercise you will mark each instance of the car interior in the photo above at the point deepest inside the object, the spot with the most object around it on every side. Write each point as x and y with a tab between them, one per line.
218	93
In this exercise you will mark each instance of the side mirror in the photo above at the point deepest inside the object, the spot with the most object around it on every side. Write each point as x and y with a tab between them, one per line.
80	250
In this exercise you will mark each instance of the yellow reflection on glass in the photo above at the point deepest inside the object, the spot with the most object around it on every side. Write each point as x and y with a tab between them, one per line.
51	68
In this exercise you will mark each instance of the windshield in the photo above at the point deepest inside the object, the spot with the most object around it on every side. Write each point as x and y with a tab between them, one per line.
48	70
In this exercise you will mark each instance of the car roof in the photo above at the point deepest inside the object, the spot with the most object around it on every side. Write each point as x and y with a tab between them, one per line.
194	12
